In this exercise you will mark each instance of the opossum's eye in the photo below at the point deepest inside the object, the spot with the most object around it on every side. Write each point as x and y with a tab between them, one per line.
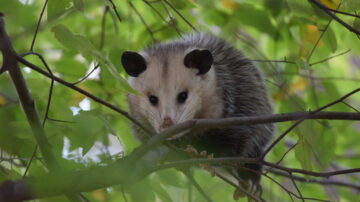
153	100
182	97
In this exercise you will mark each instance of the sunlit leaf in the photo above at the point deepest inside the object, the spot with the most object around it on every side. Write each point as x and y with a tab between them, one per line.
330	40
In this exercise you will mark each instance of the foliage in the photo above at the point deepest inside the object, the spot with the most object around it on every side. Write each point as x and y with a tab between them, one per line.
292	41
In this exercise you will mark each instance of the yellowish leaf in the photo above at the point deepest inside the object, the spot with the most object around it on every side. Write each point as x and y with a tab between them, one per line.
298	85
229	4
78	97
330	3
3	101
99	195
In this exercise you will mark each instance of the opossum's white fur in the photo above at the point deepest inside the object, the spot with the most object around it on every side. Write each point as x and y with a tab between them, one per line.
203	93
233	87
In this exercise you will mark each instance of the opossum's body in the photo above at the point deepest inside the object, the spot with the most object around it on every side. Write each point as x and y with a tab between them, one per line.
230	87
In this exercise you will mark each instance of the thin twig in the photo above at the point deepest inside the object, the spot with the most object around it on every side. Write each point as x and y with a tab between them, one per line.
61	121
329	58
173	23
343	13
315	77
296	187
37	26
318	40
312	82
347	104
171	6
155	10
313	180
143	21
115	10
103	20
281	61
86	76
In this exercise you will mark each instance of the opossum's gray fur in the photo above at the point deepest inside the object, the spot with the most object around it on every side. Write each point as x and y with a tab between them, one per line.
243	94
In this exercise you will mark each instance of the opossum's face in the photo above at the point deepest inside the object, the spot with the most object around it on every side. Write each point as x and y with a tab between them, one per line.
173	89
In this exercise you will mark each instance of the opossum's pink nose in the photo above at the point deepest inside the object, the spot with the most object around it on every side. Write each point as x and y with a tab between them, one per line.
167	122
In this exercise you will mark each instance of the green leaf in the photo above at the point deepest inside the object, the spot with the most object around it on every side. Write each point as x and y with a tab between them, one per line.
73	41
84	132
323	142
330	40
171	177
182	4
255	17
352	4
79	4
303	153
275	6
356	23
55	8
214	17
70	67
300	8
84	46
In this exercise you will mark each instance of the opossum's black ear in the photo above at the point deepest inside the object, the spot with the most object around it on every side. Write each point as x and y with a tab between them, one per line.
133	63
199	59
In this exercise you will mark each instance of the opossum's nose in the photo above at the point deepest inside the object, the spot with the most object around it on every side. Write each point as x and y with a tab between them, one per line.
167	122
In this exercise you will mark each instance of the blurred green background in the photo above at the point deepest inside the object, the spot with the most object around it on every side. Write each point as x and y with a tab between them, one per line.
295	33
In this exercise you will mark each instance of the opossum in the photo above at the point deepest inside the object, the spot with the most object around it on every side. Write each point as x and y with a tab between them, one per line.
200	76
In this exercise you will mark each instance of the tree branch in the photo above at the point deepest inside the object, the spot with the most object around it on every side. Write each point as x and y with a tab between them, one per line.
306	117
27	102
227	122
313	180
91	96
325	9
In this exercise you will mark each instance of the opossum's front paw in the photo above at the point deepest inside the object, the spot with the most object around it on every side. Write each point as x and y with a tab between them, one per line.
193	153
251	188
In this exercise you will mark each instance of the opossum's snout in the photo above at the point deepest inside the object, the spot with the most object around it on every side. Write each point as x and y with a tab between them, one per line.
167	122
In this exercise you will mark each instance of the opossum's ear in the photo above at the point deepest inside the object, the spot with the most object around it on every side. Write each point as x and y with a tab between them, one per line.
199	59
133	63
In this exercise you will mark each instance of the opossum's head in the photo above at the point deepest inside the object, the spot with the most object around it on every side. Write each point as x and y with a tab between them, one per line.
174	87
